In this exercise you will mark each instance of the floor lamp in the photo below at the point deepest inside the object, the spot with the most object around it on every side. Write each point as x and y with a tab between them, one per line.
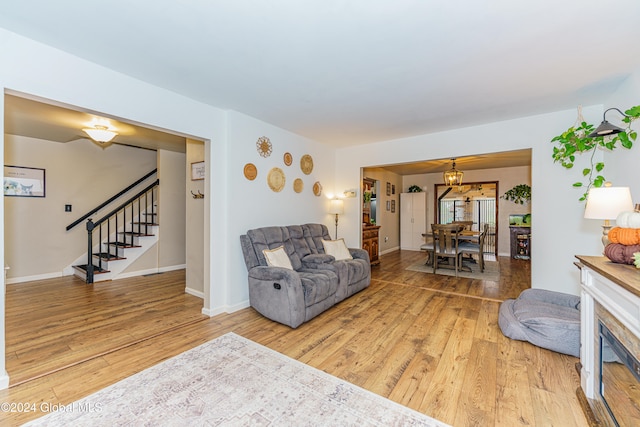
336	208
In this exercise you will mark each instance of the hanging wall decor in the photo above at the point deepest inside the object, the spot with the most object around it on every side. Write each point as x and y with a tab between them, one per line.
306	164
298	185
250	171
288	159
264	146
317	189
276	179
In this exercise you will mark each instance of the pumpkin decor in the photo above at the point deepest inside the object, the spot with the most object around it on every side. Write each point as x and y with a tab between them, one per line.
621	254
629	219
624	236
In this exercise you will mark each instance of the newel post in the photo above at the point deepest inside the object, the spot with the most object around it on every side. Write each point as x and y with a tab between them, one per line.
90	227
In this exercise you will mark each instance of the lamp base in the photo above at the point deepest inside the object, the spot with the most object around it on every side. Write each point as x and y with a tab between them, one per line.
337	227
605	233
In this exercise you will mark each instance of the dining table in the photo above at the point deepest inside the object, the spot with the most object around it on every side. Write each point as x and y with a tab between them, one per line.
463	236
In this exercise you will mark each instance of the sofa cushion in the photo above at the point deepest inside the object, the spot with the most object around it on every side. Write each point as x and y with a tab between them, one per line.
270	238
314	234
318	285
337	249
277	257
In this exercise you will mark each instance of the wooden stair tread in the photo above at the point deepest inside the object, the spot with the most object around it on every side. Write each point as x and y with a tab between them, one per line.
135	233
122	245
96	269
108	256
150	224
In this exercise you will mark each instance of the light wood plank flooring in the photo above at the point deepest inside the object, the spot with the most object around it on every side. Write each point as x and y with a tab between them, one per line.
428	342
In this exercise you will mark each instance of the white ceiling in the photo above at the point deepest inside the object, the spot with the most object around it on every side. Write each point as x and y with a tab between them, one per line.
357	71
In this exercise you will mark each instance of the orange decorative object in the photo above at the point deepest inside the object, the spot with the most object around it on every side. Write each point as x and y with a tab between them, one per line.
624	236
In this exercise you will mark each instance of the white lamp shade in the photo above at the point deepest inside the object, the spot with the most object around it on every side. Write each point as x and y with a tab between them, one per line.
607	202
336	207
100	134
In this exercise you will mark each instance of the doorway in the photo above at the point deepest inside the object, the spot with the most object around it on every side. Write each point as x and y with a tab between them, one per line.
476	202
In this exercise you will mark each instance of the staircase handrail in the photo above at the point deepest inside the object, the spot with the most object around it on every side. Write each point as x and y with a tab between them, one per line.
116	210
111	199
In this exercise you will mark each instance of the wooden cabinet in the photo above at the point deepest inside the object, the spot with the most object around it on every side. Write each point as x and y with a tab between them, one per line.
520	242
413	220
370	242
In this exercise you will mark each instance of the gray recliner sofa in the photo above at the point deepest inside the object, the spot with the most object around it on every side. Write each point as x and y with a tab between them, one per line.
317	281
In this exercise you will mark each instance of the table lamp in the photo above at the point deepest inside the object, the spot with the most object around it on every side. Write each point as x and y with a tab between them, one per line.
606	203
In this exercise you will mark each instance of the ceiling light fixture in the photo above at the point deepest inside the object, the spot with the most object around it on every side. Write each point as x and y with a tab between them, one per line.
453	177
100	133
605	127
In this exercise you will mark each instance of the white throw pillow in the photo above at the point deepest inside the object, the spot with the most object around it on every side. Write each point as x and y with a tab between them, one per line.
277	257
337	248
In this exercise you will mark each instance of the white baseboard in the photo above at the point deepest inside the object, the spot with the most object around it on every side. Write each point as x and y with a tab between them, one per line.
387	251
195	293
226	309
4	381
33	278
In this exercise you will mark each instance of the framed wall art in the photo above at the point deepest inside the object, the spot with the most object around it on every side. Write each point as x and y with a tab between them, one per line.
22	181
393	206
197	171
388	188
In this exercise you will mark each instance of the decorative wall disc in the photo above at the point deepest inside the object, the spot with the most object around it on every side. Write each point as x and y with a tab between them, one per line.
306	164
317	188
276	179
298	185
288	159
264	146
250	171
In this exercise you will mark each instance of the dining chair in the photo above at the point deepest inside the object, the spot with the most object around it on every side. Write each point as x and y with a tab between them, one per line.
468	225
445	245
473	248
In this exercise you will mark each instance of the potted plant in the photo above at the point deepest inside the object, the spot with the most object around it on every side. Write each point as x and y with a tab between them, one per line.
519	194
415	189
575	141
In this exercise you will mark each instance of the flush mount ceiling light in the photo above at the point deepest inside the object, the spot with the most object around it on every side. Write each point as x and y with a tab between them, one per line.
100	133
453	177
605	127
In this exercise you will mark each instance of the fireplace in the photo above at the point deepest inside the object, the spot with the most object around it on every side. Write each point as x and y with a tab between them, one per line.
619	380
610	343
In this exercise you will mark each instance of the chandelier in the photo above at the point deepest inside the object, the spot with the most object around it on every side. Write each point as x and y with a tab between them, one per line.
453	177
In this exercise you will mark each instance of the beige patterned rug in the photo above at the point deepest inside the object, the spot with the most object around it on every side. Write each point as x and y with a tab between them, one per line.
491	270
232	381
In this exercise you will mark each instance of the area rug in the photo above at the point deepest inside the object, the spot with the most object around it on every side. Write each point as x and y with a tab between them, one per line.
491	270
232	381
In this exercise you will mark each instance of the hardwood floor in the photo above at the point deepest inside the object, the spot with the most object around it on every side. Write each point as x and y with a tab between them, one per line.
428	342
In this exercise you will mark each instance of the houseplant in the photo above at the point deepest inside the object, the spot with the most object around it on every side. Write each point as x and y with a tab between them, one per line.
415	189
575	141
519	194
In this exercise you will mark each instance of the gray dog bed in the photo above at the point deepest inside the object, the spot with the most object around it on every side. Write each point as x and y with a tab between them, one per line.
545	318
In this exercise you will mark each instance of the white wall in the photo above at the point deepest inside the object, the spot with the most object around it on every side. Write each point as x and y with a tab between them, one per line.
560	232
195	222
254	204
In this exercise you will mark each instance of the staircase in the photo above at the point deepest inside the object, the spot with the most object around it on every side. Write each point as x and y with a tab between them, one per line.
120	250
122	235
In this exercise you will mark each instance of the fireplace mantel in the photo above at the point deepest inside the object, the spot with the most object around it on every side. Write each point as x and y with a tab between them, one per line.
610	294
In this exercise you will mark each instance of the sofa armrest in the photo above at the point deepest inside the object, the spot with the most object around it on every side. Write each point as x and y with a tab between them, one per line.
318	259
359	253
277	294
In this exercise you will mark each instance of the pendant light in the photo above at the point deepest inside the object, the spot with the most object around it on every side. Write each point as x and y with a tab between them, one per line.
453	177
605	127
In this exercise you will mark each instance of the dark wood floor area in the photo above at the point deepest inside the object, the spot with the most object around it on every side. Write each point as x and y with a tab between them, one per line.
428	342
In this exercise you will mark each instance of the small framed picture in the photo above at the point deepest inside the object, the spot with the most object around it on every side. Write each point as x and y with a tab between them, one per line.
197	171
388	188
24	182
388	205
393	206
393	189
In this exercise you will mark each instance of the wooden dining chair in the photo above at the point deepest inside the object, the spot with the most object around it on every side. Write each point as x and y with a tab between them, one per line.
445	246
473	248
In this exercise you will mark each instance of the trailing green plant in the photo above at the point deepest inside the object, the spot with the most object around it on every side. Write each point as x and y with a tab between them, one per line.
366	196
415	189
575	141
519	194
